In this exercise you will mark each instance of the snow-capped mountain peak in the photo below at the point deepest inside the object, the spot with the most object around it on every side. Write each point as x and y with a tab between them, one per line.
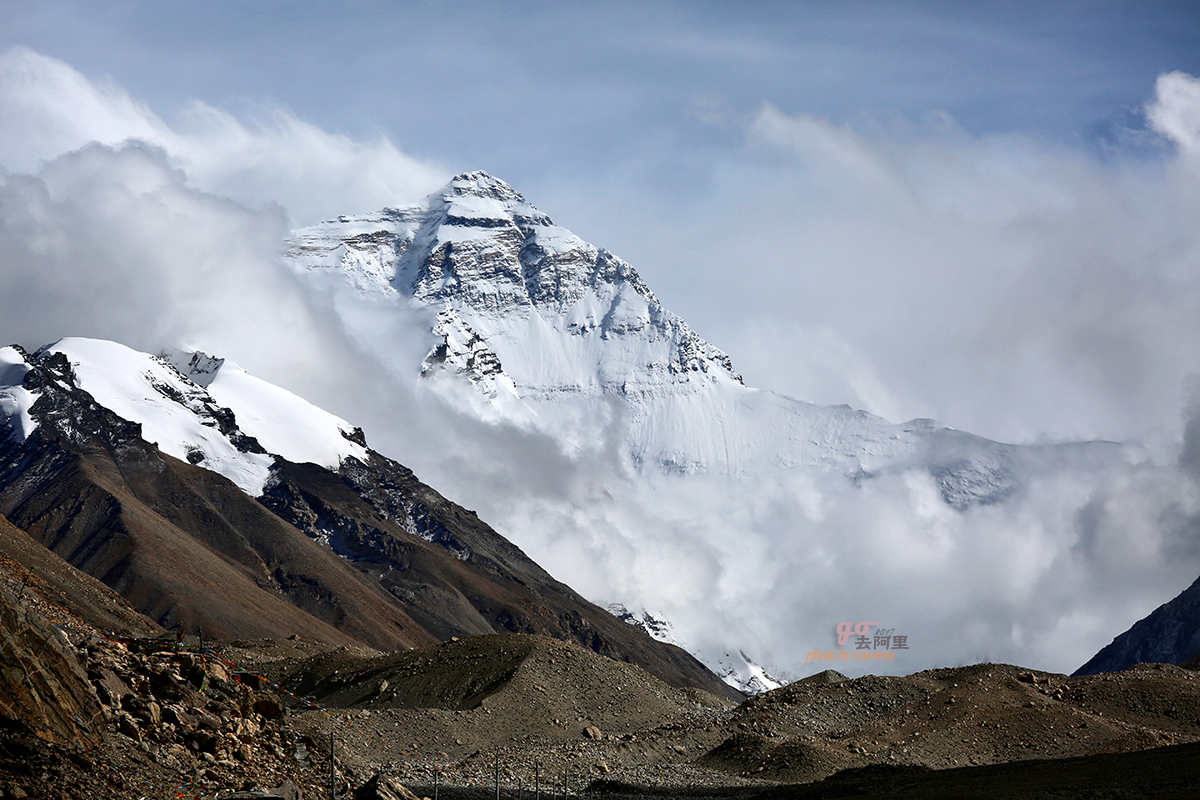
546	329
535	319
561	315
482	185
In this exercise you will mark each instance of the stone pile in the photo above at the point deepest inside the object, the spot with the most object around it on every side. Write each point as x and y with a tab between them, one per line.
191	714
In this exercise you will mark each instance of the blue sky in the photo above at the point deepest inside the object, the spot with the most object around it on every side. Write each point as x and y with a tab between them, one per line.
681	136
531	89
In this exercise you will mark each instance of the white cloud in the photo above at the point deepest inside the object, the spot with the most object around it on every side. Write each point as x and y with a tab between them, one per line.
49	108
1001	284
817	364
1006	285
114	243
1175	112
1043	580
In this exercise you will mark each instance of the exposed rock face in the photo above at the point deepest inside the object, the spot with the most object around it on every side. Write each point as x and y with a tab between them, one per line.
1169	635
465	352
499	270
42	686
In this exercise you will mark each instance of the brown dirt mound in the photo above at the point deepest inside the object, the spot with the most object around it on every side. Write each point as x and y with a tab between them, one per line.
533	677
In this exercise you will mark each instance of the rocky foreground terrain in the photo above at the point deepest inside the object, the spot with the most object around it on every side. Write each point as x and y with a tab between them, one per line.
85	715
96	701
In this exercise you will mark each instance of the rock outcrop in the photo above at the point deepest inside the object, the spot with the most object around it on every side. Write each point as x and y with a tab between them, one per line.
1168	635
43	688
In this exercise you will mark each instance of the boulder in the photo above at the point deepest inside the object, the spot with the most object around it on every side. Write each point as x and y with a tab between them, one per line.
42	685
383	788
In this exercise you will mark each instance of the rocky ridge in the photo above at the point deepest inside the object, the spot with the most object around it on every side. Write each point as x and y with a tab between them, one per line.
1170	635
155	719
364	554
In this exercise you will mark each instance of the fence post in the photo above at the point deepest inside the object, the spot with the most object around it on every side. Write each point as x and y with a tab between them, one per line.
537	783
437	773
332	771
497	776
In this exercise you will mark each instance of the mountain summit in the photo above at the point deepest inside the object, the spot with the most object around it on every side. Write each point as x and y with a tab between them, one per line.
538	320
523	304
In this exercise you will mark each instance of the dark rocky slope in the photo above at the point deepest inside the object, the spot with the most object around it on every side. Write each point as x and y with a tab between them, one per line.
1169	635
40	578
456	576
183	545
368	556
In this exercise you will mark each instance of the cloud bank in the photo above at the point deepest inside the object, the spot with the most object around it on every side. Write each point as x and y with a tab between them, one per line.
913	270
1002	284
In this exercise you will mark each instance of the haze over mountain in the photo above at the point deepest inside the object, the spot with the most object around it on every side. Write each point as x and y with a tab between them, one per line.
561	335
531	326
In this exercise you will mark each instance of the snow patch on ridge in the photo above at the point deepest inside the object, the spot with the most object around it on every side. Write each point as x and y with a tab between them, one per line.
283	423
741	673
15	399
176	414
200	409
657	627
737	670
